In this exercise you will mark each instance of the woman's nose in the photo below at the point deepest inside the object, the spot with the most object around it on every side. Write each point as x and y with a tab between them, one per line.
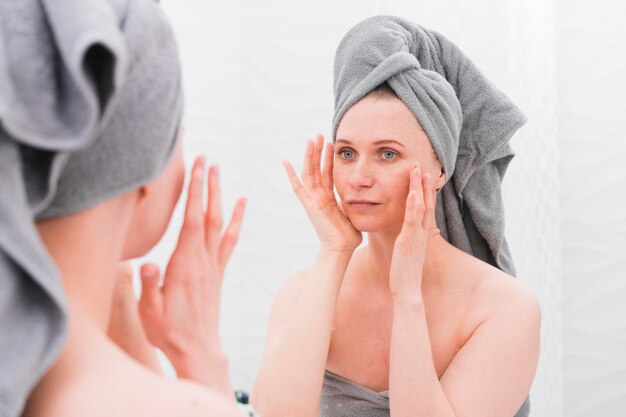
361	176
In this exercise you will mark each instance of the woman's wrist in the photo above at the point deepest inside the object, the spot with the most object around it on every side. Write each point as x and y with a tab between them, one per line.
340	251
410	298
200	366
333	261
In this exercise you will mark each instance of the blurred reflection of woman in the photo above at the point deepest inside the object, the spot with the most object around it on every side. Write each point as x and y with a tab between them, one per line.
91	169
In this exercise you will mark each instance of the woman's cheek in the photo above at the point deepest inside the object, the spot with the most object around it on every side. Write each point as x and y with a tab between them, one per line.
339	180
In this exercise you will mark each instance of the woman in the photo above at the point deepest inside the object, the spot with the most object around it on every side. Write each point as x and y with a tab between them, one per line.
91	170
408	325
113	231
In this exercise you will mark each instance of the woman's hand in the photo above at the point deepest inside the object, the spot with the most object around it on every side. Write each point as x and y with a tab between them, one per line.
182	316
316	195
125	327
409	251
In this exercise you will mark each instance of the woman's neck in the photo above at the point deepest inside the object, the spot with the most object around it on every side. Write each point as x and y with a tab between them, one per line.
376	259
87	248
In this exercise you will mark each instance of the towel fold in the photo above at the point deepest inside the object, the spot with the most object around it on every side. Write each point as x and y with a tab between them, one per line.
90	106
468	121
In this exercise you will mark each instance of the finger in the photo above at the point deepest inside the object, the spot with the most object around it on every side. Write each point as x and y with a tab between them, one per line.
410	220
150	302
317	157
306	165
410	214
416	182
412	176
297	186
213	219
193	221
327	171
231	235
429	204
340	205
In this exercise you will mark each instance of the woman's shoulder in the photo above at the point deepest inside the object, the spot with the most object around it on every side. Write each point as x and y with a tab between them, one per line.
496	293
114	384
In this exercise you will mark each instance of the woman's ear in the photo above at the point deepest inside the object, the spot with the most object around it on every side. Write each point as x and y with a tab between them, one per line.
441	180
142	194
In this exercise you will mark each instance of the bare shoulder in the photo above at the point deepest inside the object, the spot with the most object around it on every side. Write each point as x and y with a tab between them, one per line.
115	385
494	294
492	370
498	294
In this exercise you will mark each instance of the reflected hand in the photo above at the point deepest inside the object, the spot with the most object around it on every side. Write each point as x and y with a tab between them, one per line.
182	316
316	195
409	252
125	327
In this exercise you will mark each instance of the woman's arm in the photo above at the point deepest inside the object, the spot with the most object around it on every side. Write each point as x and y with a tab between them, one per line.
491	375
290	380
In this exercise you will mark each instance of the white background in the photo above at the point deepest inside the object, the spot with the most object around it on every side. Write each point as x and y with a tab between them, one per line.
258	83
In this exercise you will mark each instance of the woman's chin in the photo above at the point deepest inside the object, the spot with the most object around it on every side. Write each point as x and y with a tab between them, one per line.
370	225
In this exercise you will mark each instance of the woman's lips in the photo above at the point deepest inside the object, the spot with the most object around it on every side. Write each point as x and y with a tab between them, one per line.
362	204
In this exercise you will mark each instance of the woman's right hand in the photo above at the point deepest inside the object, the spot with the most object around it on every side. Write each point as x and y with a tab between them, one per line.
316	195
181	317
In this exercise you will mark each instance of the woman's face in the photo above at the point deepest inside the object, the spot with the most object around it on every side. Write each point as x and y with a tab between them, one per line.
156	203
378	141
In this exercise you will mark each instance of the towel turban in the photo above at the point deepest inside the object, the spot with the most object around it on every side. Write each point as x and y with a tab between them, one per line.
468	121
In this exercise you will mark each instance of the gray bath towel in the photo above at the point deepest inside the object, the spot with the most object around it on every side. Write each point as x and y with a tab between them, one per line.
342	397
467	119
90	105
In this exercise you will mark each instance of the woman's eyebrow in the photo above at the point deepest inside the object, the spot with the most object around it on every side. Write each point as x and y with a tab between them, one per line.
344	141
378	142
388	141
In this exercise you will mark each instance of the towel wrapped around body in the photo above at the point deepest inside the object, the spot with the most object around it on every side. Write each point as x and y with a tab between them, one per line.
342	397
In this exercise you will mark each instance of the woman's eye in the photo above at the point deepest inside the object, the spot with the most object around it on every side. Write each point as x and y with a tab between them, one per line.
346	154
389	154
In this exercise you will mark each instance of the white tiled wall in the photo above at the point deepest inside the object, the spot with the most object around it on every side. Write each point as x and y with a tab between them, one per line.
258	81
592	142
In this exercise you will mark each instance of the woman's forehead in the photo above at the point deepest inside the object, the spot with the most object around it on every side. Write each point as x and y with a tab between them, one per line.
372	121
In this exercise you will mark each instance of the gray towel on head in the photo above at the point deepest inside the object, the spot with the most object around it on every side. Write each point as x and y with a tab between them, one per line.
467	119
90	105
342	397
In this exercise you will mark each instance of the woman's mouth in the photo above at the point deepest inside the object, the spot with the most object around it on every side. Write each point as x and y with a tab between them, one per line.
362	204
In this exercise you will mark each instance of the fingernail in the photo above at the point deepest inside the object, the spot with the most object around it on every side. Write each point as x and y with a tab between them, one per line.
427	177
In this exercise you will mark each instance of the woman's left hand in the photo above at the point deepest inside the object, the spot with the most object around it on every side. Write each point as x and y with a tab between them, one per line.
125	327
181	317
409	252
